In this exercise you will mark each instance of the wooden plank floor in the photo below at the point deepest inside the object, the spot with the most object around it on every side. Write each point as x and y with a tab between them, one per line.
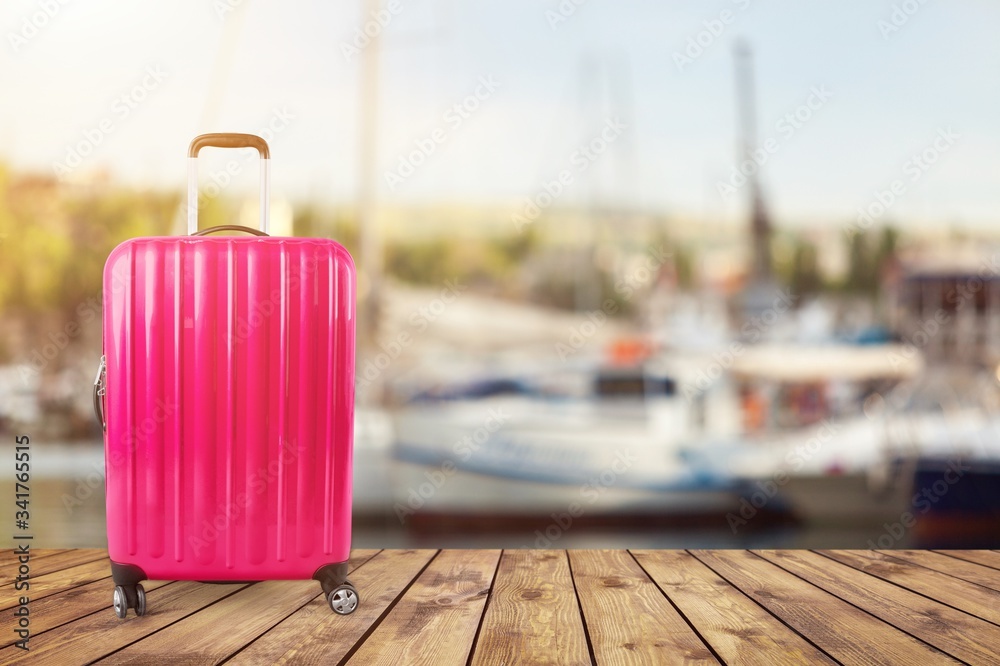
534	607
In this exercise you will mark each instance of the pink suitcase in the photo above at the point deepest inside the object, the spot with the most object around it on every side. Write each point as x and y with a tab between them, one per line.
226	391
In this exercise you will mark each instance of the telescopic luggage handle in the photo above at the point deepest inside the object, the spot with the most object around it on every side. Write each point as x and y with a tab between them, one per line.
229	140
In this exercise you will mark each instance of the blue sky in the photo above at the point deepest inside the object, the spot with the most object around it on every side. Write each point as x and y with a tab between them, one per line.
557	85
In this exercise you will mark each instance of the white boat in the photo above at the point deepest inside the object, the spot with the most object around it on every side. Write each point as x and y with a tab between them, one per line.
518	448
871	470
672	436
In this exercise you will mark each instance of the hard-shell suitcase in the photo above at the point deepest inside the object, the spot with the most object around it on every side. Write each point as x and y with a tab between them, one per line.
226	391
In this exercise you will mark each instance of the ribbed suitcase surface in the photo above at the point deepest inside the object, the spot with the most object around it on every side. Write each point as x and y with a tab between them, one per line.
229	406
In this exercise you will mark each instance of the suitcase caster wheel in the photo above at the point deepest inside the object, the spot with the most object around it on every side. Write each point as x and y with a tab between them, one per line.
140	601
121	602
121	598
343	600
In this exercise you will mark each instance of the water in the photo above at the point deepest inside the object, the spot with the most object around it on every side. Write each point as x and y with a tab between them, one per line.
67	510
69	513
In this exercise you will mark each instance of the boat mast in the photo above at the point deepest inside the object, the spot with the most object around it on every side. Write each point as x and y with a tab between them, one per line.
587	292
760	224
368	231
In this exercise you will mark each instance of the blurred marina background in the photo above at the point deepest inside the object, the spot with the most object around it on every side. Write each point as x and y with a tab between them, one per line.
633	274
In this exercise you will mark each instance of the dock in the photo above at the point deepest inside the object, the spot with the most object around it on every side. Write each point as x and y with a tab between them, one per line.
505	607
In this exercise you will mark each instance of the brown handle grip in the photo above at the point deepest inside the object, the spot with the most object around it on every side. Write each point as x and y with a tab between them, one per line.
229	140
229	227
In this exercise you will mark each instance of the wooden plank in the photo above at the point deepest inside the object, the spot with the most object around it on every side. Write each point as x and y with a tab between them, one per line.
9	563
627	617
96	635
315	634
871	602
973	573
57	562
533	616
987	558
846	633
435	621
979	601
216	632
75	603
740	631
57	581
961	635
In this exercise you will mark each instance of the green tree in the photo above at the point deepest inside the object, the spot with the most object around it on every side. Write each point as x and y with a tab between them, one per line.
862	275
805	277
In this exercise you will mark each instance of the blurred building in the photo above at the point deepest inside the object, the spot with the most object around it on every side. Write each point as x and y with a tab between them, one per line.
946	303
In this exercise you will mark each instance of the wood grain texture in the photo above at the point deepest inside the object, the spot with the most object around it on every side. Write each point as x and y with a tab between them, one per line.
75	603
476	606
49	563
961	635
533	616
975	599
9	563
44	585
740	631
968	571
211	635
100	634
435	621
848	634
214	633
987	558
315	634
627	617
